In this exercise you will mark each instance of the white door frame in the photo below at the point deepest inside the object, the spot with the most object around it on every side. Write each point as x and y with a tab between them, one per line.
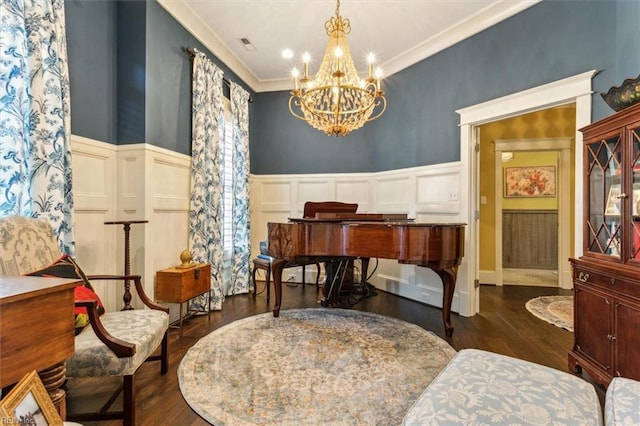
563	147
576	89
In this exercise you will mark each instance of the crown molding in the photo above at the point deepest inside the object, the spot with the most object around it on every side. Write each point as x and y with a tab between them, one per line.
486	18
192	23
482	20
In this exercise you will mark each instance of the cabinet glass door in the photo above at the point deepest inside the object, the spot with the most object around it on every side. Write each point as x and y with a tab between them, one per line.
634	223
603	231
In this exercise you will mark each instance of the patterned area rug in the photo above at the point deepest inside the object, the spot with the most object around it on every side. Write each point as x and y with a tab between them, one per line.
557	310
311	366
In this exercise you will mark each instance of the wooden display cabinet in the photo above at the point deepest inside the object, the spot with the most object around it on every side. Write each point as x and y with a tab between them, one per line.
179	285
607	277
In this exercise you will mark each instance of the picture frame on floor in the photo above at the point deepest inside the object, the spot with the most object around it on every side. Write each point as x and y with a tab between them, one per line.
28	403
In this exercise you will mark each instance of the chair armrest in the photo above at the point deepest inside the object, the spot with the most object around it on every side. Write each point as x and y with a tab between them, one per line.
121	348
137	279
145	299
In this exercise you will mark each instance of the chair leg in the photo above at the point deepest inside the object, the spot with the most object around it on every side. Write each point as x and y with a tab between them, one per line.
268	282
128	401
317	277
253	276
164	355
304	274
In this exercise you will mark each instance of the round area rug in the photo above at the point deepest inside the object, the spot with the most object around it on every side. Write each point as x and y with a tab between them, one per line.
556	310
311	366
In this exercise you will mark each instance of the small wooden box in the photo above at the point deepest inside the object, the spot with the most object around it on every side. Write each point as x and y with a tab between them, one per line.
176	285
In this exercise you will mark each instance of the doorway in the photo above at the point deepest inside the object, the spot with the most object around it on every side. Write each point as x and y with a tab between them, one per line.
532	231
576	89
527	238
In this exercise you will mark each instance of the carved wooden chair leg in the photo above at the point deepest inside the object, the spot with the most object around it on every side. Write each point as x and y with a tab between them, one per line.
164	360
317	277
128	401
304	276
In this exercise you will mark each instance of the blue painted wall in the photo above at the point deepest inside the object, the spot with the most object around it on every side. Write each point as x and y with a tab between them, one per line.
547	42
131	85
130	76
91	48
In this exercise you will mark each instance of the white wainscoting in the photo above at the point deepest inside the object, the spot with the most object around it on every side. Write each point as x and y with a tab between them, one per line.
129	182
144	182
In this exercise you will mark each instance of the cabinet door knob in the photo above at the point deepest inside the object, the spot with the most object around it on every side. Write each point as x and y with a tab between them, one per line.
583	277
622	195
196	274
611	337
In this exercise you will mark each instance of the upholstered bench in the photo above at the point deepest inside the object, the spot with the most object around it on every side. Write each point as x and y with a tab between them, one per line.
479	387
622	405
264	264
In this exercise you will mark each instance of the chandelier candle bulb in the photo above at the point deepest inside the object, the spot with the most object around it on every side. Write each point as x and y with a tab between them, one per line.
378	78
306	58
371	59
294	73
337	100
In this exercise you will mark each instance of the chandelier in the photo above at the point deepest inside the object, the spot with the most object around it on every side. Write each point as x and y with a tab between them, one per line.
337	101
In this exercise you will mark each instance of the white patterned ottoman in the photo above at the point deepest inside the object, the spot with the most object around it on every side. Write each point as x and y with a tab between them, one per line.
622	404
479	387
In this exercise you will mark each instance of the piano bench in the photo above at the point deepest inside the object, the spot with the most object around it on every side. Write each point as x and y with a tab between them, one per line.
265	264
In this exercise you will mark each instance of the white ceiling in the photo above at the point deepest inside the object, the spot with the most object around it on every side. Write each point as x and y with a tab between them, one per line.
399	32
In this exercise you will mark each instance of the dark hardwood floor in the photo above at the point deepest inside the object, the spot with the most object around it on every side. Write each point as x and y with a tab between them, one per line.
503	326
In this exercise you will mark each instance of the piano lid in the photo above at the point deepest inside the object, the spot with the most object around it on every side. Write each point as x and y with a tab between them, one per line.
361	217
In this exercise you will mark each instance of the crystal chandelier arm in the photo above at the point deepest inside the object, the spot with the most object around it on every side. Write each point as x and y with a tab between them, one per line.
295	100
382	101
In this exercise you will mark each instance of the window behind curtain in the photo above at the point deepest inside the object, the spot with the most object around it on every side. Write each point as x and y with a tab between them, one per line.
226	138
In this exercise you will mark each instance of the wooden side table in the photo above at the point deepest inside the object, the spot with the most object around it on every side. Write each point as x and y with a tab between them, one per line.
179	285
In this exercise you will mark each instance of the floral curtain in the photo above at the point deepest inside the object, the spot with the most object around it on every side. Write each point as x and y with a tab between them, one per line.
205	216
35	157
241	242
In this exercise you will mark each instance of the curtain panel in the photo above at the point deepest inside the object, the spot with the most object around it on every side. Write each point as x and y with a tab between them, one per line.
35	128
205	215
240	261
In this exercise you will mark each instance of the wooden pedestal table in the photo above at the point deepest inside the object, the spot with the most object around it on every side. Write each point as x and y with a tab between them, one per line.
126	226
37	331
179	285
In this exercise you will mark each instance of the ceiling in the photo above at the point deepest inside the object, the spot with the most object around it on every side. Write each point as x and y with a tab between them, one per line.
399	32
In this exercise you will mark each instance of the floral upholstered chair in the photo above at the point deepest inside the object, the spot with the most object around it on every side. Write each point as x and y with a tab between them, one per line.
114	343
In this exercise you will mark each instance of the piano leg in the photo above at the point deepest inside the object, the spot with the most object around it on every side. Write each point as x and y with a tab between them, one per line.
448	276
277	265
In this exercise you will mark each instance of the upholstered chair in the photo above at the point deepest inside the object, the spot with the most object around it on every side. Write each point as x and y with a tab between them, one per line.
113	343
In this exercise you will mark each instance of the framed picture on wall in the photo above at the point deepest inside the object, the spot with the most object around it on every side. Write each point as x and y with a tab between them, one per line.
530	181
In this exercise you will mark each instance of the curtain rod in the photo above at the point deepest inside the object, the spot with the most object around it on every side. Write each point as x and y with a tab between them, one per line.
192	53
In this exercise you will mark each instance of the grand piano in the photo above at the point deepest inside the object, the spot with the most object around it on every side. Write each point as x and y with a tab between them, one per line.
331	236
